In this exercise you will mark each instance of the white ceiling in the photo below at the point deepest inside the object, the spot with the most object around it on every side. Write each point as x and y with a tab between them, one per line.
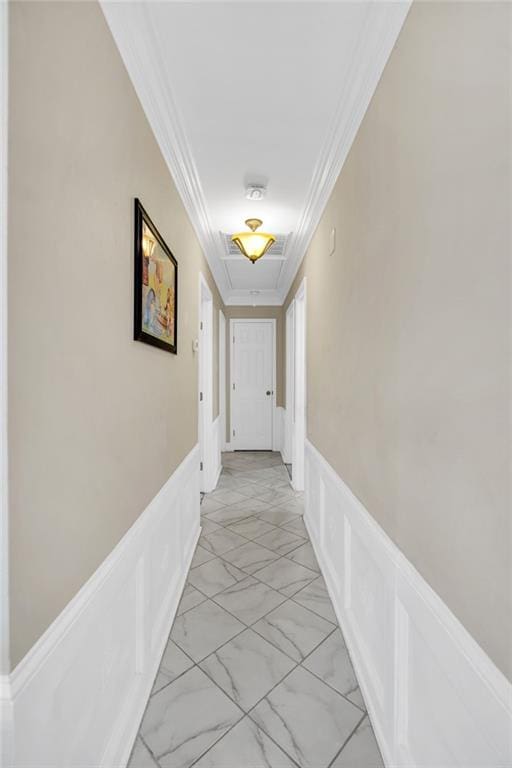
239	92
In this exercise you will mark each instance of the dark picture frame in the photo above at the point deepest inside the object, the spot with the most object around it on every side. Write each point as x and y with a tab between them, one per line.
156	286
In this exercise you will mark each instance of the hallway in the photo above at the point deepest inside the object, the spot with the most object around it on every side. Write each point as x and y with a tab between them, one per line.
255	672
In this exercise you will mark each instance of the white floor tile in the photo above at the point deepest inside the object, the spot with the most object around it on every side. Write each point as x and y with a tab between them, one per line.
186	718
247	668
308	719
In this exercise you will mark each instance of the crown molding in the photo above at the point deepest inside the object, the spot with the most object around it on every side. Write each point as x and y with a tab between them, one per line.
139	46
379	34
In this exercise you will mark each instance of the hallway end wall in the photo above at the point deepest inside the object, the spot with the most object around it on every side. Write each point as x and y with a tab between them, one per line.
98	423
408	321
256	313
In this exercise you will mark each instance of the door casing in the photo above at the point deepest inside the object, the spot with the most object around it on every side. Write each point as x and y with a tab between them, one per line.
272	322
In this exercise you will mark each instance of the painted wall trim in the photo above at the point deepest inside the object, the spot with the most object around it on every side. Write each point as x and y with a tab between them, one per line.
80	692
147	72
222	379
434	697
299	419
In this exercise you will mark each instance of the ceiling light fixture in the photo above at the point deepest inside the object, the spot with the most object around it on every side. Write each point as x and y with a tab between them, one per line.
253	244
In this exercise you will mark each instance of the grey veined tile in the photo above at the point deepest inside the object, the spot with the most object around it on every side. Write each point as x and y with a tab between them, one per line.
189	599
214	576
174	661
161	680
270	496
361	750
186	718
251	557
293	629
203	629
210	505
249	600
221	541
286	576
316	598
277	516
305	555
294	505
280	541
208	526
141	757
201	556
233	514
297	526
247	668
227	496
245	746
331	662
308	719
251	528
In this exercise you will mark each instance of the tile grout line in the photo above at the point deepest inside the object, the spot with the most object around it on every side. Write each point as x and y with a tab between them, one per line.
346	741
250	626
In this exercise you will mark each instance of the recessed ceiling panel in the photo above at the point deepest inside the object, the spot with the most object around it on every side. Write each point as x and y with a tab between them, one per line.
270	93
261	275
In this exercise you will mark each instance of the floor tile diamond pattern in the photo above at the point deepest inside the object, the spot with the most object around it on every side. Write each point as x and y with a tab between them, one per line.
255	673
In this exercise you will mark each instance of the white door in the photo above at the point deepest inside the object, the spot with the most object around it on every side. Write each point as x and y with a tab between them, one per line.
252	384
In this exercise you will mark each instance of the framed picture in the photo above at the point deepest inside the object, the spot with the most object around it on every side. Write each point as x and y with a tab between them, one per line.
156	286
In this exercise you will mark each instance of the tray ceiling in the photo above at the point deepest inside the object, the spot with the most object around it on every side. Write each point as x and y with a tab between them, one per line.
255	92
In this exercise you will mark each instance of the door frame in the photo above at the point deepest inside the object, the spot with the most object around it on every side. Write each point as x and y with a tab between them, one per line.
272	321
205	385
299	389
222	379
289	416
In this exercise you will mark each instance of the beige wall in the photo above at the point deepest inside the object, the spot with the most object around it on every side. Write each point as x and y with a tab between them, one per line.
232	312
408	323
97	422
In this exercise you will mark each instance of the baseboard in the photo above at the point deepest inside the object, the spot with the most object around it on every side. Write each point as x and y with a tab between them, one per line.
79	694
435	698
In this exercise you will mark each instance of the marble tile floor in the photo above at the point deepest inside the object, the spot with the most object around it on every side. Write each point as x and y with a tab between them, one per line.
255	673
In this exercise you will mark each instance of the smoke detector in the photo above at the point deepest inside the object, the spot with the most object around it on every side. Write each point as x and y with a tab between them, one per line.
255	192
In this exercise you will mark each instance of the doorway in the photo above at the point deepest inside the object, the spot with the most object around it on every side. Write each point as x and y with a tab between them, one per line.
252	383
205	378
222	380
295	414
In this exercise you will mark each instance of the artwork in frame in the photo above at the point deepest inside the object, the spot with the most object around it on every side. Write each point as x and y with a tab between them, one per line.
156	286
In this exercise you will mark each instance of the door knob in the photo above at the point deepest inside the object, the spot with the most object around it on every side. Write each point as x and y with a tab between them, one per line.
269	392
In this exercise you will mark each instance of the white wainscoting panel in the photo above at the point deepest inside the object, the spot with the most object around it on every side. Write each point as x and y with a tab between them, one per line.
79	694
278	429
435	698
